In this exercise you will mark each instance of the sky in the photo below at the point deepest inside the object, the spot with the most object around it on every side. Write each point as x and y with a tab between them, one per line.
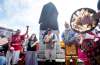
17	14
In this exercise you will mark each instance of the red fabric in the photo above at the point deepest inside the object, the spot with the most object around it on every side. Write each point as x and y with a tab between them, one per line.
17	41
82	56
87	63
91	33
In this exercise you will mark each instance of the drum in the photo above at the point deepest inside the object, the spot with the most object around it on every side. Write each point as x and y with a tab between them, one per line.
83	20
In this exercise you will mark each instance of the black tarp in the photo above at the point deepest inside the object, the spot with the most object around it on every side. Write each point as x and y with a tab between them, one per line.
98	5
48	18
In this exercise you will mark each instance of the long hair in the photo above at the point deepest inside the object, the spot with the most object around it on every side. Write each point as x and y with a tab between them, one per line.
33	37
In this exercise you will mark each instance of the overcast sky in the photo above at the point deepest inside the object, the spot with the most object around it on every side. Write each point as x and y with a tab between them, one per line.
16	14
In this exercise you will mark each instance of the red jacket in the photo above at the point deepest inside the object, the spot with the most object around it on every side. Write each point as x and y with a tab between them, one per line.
16	41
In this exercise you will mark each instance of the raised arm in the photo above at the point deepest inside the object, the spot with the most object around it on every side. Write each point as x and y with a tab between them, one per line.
27	28
24	35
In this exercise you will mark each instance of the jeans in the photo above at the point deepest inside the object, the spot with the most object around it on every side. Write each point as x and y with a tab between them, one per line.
14	56
2	60
9	57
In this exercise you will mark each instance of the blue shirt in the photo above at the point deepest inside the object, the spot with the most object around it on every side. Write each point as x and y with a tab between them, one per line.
68	36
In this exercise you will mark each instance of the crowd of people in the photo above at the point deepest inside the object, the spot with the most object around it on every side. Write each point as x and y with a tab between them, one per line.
11	48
